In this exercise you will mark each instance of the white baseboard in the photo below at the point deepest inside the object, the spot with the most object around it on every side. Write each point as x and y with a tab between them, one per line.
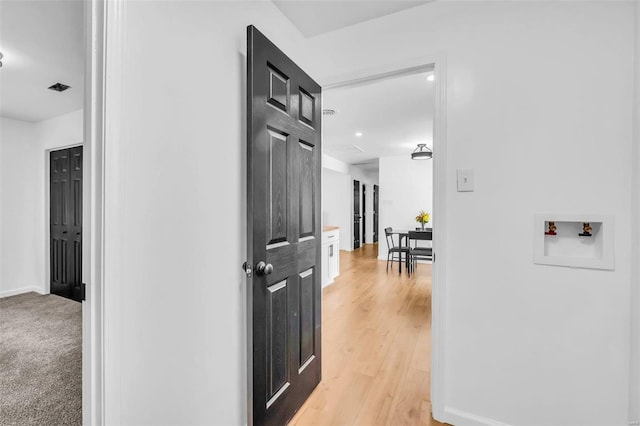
21	290
460	418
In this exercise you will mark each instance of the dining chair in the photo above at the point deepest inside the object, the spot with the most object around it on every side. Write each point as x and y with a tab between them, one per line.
419	252
394	250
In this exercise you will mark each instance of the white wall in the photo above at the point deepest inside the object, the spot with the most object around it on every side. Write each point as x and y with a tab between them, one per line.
334	164
532	106
20	225
24	187
336	204
530	102
175	316
61	131
406	187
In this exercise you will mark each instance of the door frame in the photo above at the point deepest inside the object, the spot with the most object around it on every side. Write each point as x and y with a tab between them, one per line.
437	63
103	27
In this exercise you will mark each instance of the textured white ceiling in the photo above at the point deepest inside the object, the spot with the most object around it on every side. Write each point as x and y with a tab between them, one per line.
314	17
393	115
43	44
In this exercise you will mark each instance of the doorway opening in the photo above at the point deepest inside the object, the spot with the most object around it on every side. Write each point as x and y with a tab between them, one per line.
372	144
376	124
50	125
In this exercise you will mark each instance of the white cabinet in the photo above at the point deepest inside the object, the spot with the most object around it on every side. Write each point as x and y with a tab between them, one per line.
330	255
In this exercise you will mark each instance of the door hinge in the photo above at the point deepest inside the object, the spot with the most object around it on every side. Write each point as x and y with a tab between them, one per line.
83	291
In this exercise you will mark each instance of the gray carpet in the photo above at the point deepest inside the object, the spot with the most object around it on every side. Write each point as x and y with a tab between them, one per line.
40	361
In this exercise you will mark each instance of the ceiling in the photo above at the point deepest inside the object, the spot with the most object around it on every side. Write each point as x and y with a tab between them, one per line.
393	115
315	17
42	43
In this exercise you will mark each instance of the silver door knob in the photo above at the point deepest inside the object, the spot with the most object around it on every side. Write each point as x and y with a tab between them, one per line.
264	268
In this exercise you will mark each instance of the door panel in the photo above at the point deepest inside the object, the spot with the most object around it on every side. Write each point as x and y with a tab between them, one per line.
306	318
65	209
283	231
277	177
277	336
307	190
307	107
279	89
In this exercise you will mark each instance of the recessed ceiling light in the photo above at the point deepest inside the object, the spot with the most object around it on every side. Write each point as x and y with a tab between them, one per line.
431	77
358	134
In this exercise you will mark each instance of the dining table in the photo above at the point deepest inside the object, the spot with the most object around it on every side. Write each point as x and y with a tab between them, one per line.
403	234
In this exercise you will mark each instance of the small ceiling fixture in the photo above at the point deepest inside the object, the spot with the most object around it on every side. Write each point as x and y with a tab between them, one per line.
59	87
422	152
328	111
358	134
0	59
431	77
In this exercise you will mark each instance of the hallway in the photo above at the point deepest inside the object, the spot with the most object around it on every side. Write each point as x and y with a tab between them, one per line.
376	347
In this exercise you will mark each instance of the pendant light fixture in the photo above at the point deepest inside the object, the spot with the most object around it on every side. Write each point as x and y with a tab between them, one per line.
422	152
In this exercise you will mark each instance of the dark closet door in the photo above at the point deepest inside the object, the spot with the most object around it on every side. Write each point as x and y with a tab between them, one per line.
65	204
283	230
376	196
356	214
364	214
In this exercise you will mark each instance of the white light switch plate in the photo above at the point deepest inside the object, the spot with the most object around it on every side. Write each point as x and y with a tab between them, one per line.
466	180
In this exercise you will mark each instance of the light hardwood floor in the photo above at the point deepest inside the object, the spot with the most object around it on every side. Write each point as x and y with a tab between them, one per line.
376	344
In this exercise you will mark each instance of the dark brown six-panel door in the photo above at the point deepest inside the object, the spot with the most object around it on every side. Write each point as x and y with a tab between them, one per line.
376	196
364	215
65	213
284	236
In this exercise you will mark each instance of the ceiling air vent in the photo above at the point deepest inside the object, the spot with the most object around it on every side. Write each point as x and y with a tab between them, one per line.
59	87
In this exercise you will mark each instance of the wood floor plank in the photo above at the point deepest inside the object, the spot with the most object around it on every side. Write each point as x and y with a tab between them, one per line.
376	347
